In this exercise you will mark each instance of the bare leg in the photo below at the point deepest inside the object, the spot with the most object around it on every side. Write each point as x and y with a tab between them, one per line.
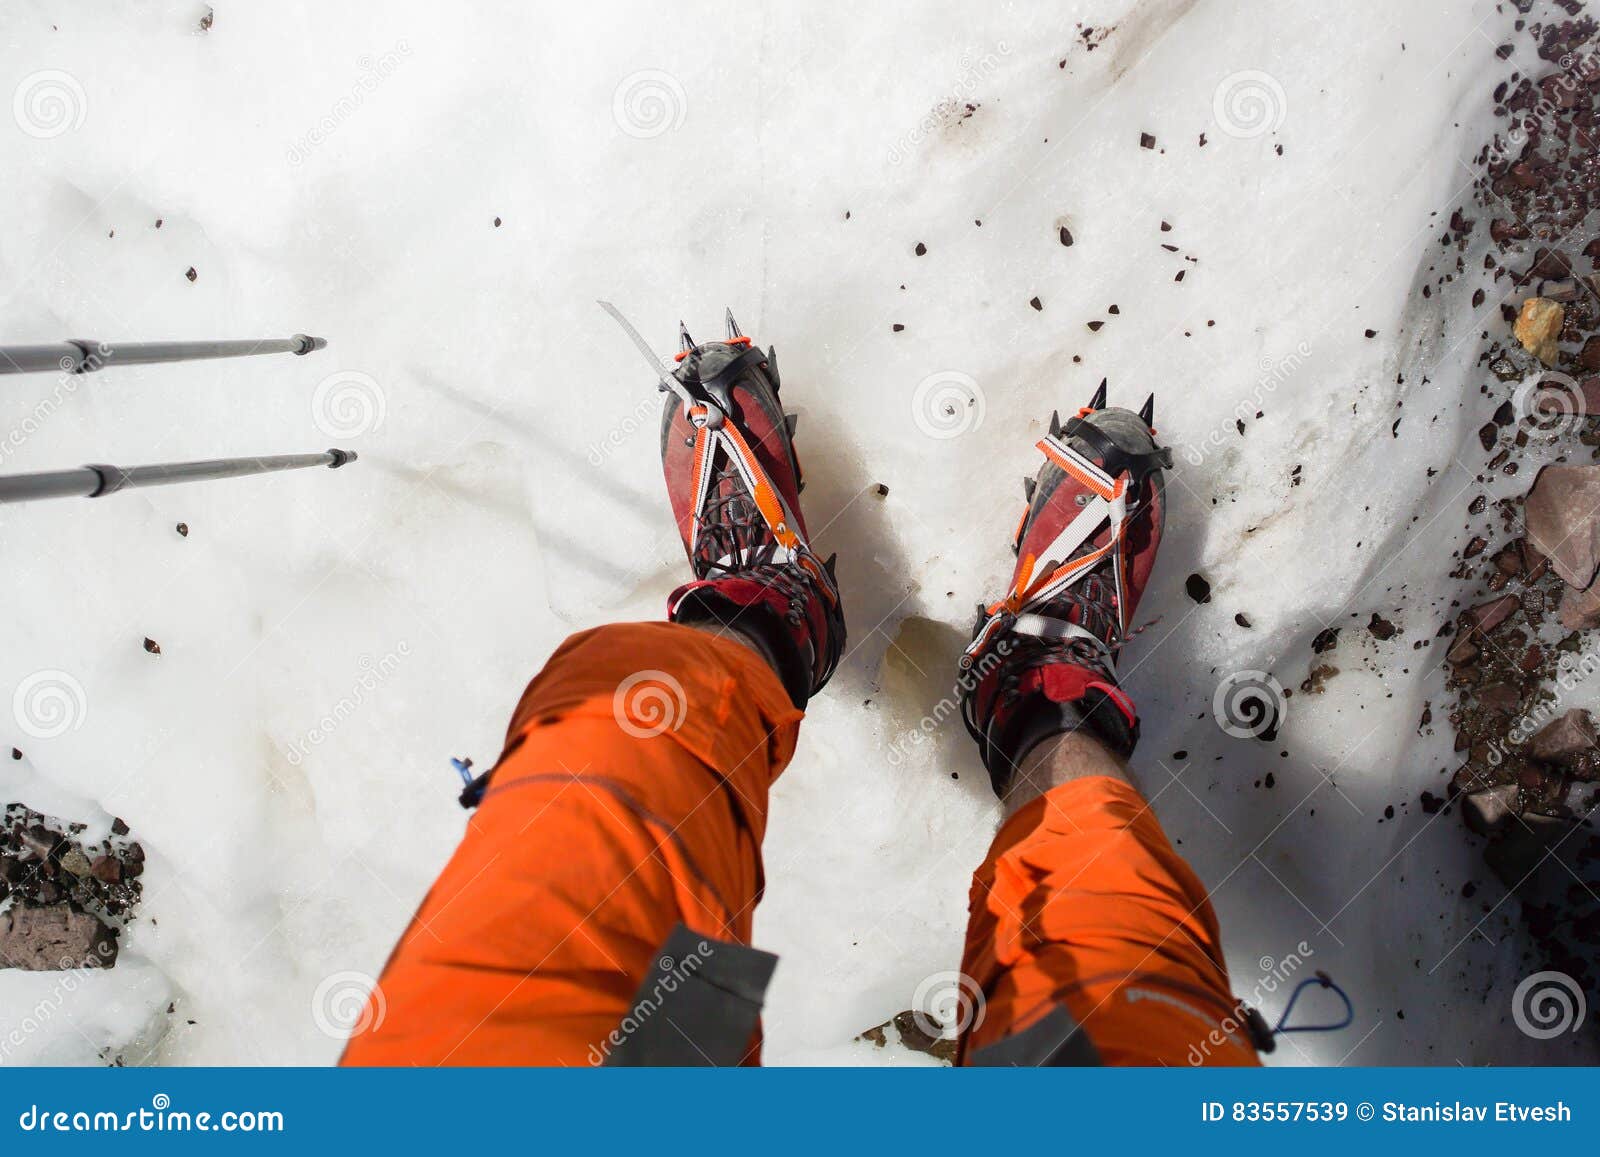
1060	759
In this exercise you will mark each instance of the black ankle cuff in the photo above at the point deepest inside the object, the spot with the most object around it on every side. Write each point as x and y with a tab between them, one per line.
1041	718
762	627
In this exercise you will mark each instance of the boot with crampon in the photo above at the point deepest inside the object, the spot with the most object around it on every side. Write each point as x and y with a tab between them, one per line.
727	450
1043	657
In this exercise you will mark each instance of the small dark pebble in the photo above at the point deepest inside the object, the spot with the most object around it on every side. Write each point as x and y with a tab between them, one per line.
1199	590
921	249
883	491
191	274
183	529
1036	303
1146	141
1242	620
152	646
897	327
1066	236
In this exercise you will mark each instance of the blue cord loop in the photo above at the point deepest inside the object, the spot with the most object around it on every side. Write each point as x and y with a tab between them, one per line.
472	789
1325	981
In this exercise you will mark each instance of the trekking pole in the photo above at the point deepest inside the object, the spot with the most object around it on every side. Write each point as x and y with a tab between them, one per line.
82	356
98	481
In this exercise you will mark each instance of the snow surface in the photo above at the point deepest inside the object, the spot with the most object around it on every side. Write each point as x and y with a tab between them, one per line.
329	640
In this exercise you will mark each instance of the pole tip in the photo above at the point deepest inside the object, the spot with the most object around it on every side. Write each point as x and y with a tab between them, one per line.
340	457
307	343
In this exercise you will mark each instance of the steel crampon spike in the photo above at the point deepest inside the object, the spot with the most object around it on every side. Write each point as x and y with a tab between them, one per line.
685	342
1147	412
733	326
1098	402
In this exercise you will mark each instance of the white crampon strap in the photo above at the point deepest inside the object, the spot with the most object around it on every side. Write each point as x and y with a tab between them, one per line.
1020	610
727	440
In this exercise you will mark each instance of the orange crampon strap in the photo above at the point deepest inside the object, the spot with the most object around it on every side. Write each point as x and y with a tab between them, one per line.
1057	564
769	503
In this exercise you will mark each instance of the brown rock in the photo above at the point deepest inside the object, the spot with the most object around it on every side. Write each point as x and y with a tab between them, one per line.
1469	777
1580	610
1538	327
1485	617
1463	650
1589	356
107	868
1499	697
56	938
1560	511
1491	811
1571	735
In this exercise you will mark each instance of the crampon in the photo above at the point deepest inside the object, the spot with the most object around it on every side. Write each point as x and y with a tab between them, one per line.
727	451
1043	657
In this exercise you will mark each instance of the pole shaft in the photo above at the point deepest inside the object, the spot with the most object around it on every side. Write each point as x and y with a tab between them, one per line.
99	480
83	356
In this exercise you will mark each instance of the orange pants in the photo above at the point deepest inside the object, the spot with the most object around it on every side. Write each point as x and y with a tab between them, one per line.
632	797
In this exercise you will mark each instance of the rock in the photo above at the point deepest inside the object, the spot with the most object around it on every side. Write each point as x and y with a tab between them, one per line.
1327	639
1463	650
76	862
909	1027
1560	515
1538	327
54	938
1571	735
1580	610
1499	697
107	868
1589	356
1492	811
1485	617
1198	588
1382	629
1515	858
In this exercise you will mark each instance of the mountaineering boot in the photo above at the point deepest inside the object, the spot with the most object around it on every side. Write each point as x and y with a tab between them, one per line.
1043	657
727	450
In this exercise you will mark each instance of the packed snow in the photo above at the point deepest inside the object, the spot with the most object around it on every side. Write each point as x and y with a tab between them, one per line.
444	191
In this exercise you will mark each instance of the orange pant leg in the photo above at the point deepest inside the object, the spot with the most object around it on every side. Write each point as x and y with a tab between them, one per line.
632	795
1082	902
